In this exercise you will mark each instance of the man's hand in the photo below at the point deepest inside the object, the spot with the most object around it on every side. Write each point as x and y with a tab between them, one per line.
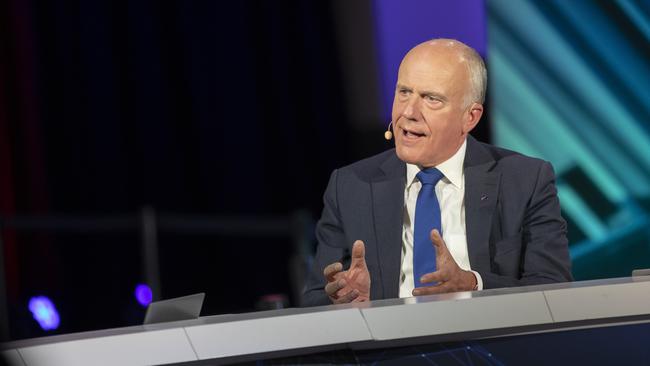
352	285
450	277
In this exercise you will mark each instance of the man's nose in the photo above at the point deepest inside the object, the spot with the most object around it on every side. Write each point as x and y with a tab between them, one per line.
412	108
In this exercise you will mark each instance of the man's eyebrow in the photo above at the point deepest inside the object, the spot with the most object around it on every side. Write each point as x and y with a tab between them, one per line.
437	95
424	93
400	86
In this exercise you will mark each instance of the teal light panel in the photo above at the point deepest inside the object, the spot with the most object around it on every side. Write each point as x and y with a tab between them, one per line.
569	82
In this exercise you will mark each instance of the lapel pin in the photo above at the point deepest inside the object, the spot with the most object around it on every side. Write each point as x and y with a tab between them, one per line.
484	197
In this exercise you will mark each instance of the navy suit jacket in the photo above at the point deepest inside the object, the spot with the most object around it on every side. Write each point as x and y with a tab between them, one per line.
516	235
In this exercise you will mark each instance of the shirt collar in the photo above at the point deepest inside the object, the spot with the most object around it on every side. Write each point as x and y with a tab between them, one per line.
452	168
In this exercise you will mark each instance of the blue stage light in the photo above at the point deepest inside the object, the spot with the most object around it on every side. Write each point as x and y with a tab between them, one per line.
143	294
44	312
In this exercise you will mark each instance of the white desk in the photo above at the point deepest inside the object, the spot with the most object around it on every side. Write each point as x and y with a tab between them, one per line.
376	324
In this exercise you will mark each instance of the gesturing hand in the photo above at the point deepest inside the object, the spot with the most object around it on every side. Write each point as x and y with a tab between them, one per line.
352	285
448	274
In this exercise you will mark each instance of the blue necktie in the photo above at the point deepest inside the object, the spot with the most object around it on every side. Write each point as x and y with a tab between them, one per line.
427	218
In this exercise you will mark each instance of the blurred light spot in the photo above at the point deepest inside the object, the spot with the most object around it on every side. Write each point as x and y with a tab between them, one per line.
143	294
44	312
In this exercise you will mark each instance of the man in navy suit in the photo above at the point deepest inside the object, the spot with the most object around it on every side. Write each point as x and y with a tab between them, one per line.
499	211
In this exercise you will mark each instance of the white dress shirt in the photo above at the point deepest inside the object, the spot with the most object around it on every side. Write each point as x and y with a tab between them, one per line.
450	191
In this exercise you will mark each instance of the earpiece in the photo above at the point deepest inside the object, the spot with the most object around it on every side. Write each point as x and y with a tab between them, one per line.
388	134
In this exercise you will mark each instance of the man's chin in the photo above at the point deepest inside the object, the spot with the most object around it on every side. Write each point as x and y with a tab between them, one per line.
407	156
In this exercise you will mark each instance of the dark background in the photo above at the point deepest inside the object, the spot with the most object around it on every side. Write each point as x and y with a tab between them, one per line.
233	110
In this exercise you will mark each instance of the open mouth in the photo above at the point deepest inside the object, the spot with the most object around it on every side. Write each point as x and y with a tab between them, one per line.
412	134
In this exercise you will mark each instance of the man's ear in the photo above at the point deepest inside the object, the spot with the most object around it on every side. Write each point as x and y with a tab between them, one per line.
472	116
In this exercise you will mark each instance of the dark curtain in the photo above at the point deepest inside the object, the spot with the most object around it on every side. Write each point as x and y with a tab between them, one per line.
206	107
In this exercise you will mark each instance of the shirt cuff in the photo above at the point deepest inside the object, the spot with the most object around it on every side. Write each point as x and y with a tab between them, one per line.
479	281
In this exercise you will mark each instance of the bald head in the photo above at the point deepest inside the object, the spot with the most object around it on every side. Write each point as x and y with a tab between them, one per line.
456	53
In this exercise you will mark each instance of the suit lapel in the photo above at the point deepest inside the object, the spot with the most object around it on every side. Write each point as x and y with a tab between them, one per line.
481	195
388	206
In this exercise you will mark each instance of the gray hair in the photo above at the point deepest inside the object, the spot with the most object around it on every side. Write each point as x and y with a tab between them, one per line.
477	76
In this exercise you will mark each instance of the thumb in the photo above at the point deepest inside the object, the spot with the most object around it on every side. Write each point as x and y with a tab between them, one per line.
438	243
358	253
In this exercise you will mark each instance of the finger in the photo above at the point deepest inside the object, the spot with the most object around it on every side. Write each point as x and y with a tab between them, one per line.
430	290
358	253
358	250
436	276
331	270
349	297
333	287
437	241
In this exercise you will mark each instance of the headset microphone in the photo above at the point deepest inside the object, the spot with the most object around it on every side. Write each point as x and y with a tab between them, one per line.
388	134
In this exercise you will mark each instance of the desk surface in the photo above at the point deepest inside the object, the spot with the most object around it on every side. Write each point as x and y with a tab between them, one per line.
383	323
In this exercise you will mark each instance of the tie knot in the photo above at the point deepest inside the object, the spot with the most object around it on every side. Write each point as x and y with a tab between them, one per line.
429	176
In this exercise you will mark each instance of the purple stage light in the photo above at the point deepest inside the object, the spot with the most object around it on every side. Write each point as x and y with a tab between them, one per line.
44	312
143	294
402	24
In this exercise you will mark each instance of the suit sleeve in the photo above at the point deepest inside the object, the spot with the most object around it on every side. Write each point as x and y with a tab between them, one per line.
544	245
331	247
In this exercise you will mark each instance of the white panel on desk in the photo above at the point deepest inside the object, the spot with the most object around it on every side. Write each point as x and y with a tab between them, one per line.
278	333
595	302
453	316
147	348
11	357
